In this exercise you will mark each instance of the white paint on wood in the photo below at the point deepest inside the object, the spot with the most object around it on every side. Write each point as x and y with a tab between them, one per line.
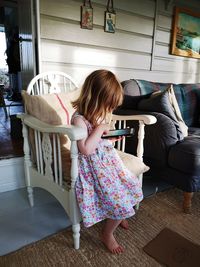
92	56
70	10
164	21
66	47
73	33
165	51
80	72
142	7
163	36
175	65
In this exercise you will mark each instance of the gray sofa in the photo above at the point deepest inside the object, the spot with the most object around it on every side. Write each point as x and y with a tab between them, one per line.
171	156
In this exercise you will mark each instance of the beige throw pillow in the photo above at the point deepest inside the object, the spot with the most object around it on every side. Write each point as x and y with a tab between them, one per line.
54	109
177	112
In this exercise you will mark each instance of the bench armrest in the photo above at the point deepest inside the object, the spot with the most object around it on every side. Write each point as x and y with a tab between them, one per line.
147	119
73	132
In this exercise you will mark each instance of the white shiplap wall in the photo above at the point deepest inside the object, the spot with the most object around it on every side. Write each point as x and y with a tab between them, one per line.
138	49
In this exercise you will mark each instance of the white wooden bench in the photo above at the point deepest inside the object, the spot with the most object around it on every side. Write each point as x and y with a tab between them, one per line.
43	146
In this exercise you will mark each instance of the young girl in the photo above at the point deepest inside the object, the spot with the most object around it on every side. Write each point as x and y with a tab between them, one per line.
105	189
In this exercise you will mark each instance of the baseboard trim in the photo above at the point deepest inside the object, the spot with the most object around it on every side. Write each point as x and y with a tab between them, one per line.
12	174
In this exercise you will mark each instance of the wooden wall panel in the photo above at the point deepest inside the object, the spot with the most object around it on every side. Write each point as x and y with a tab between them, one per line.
165	21
163	36
96	37
70	10
175	66
142	7
80	72
63	9
163	60
131	52
78	55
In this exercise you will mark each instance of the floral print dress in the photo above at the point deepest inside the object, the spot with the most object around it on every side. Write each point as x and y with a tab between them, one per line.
105	188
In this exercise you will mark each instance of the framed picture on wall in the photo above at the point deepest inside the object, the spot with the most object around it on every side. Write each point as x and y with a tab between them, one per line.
87	17
186	33
109	22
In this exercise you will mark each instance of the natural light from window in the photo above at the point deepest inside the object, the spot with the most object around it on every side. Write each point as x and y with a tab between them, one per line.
3	64
94	59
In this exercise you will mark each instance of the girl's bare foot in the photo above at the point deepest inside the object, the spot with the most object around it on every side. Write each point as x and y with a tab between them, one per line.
124	224
111	244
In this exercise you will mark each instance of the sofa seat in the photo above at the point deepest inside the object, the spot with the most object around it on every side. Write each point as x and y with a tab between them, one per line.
194	131
185	156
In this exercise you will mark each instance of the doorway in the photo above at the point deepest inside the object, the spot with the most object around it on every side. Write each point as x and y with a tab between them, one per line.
18	70
7	145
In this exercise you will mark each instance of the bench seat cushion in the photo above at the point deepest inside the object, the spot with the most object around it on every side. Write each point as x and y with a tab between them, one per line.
132	163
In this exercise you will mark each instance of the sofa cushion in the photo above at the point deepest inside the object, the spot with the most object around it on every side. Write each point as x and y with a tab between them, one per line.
131	87
185	156
194	131
131	102
160	103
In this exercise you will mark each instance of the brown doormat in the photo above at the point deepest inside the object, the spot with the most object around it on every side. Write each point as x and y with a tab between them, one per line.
173	250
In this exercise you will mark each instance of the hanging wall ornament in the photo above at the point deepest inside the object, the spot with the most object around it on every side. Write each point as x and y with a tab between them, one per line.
110	17
87	15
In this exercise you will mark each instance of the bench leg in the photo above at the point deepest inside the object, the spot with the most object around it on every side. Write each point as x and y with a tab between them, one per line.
76	235
187	201
30	195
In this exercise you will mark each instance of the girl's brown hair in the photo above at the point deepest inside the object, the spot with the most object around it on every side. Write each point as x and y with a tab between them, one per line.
101	93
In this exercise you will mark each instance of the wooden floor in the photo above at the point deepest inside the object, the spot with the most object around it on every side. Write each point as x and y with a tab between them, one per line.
22	225
10	146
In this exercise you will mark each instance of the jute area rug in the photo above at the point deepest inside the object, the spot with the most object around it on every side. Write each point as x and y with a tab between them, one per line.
155	213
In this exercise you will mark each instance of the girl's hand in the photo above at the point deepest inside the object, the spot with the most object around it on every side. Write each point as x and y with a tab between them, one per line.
104	128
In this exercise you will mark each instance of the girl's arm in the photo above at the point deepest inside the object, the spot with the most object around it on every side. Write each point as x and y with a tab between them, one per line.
88	145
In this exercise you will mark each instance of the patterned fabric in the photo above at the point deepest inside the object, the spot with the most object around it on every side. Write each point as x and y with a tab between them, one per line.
187	95
105	187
